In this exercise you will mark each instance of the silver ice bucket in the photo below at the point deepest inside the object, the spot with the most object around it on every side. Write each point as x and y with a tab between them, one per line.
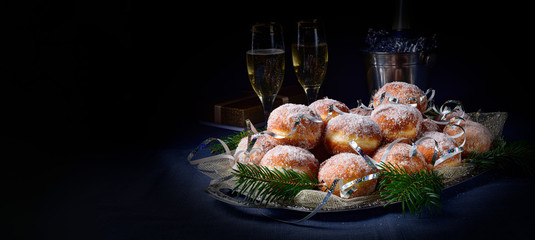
383	67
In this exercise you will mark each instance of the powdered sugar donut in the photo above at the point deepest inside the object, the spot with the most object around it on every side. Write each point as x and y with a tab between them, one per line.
478	137
404	92
263	142
399	155
361	111
397	120
348	167
291	157
321	107
342	129
445	142
282	120
428	126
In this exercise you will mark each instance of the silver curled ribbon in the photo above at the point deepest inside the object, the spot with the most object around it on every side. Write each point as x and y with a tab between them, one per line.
294	128
446	108
333	109
360	104
315	211
436	150
435	160
355	146
227	155
252	136
346	189
350	187
388	97
414	149
412	101
389	147
446	154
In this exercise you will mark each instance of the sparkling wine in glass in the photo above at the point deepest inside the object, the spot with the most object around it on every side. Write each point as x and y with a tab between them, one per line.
265	63
310	57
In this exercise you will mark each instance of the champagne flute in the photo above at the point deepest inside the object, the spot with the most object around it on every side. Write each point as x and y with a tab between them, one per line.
265	63
310	57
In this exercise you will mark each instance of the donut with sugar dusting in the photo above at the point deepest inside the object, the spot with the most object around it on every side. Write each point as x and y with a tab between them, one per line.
478	137
361	111
445	142
429	126
263	142
397	120
321	107
399	155
347	166
282	120
291	157
342	129
404	92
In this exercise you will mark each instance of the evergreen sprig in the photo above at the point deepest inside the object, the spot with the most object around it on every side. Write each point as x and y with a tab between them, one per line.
415	190
263	185
516	157
231	140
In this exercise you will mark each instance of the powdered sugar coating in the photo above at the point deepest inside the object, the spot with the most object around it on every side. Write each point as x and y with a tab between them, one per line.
282	120
450	115
361	111
404	92
291	157
397	120
348	167
264	142
342	129
428	126
321	107
478	137
399	155
445	142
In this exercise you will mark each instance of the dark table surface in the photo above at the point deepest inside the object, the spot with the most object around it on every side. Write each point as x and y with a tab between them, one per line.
154	193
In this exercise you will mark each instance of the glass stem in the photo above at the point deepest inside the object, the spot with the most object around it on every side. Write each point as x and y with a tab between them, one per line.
312	94
267	103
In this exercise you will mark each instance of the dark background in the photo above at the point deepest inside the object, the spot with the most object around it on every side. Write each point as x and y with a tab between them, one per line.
96	76
82	78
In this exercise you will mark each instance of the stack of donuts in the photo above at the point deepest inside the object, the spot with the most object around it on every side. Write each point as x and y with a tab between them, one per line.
320	144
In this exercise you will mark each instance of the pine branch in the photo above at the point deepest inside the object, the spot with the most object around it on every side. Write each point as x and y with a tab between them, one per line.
259	183
231	140
415	191
516	157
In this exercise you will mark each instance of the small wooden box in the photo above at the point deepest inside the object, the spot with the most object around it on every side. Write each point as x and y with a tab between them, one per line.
235	112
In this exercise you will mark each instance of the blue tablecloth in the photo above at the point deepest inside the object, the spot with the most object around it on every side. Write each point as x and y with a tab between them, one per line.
155	194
